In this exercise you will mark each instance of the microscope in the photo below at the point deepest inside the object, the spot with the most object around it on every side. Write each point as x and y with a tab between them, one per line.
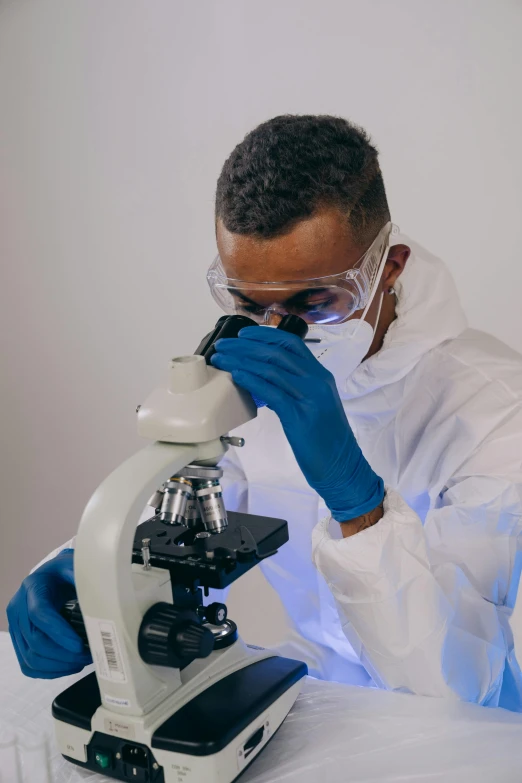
176	695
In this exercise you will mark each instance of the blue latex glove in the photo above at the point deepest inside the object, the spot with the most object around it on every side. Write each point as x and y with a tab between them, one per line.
45	644
277	367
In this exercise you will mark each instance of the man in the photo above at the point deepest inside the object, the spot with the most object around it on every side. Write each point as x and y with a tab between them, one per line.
391	441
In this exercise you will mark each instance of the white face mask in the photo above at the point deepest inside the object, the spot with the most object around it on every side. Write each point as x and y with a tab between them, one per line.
342	347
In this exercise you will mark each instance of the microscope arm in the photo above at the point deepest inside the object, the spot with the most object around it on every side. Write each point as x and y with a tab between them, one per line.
104	576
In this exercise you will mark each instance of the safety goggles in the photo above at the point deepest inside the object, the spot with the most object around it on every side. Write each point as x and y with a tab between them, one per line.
322	300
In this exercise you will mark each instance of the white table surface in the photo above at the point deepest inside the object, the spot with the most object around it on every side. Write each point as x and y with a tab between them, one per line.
335	734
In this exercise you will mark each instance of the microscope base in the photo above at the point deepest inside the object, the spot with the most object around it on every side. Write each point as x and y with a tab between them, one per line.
211	739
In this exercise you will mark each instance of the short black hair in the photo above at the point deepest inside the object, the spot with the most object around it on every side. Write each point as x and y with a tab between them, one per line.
291	165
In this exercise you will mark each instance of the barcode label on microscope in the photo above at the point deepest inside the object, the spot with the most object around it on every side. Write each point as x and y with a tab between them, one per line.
110	650
105	649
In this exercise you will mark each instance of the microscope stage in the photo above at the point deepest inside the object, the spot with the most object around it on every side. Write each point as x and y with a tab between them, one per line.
213	561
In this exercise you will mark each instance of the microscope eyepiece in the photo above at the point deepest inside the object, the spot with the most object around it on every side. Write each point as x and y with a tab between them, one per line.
295	325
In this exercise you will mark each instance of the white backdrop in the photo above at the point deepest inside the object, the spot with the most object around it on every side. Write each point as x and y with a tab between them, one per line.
115	118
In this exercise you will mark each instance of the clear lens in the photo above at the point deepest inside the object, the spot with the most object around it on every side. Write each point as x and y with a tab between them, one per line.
320	305
324	300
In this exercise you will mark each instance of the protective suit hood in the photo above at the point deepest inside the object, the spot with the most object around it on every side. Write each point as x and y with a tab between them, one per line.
428	313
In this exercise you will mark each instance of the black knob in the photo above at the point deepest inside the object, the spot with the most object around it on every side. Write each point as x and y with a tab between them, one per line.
72	613
173	637
216	613
295	325
194	641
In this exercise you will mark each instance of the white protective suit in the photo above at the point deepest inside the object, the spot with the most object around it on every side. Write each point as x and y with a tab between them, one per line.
421	601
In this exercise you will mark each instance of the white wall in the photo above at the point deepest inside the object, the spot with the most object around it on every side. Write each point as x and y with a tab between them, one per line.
115	118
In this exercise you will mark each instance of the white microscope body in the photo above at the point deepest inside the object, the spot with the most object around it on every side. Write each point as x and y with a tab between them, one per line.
126	731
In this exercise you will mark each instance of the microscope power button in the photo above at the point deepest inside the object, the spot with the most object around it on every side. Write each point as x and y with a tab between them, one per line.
102	759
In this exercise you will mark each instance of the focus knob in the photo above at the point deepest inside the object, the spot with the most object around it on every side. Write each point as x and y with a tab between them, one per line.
173	637
216	613
72	613
194	641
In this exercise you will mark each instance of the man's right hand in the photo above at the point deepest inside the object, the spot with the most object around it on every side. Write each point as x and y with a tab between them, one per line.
45	644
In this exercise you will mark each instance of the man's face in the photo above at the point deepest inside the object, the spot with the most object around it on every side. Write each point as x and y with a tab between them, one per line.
316	247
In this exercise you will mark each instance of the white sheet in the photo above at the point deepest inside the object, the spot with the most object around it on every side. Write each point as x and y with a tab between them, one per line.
334	734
